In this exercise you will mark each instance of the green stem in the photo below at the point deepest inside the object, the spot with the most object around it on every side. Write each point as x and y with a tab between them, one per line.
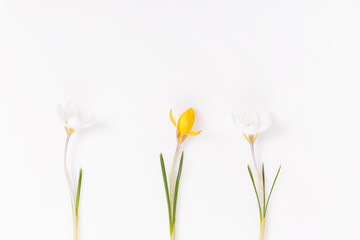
262	229
75	227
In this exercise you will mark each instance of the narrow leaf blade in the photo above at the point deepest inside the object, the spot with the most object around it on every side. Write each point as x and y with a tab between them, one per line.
257	196
166	188
78	193
267	202
177	185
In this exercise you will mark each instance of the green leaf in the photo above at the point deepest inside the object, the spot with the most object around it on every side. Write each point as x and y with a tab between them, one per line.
166	189
263	180
177	185
78	193
267	202
257	196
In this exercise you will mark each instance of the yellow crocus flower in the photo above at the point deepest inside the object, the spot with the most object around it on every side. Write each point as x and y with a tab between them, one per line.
184	125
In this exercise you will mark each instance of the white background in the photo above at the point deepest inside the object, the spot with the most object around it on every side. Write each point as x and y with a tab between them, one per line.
130	62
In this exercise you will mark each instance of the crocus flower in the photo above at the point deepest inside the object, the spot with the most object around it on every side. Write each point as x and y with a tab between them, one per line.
184	125
183	128
73	120
251	124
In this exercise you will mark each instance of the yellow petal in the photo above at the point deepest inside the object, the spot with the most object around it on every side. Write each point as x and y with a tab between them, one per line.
186	121
172	118
194	133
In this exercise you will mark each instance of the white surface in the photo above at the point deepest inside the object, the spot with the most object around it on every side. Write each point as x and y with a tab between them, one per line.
130	62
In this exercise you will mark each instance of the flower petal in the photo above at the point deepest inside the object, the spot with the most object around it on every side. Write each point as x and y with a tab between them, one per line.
75	123
186	121
251	122
61	112
88	121
88	124
251	118
265	122
237	118
251	130
172	118
71	110
193	133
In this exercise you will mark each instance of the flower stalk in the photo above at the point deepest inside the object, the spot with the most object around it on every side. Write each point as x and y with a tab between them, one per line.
260	182
172	174
67	175
75	199
262	229
76	227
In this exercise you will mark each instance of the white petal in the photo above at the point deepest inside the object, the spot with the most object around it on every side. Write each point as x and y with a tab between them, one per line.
235	117
61	113
251	118
87	118
251	122
75	123
251	130
71	110
88	124
265	122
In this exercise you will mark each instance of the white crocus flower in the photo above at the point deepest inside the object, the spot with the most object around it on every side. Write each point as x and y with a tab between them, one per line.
251	123
73	119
